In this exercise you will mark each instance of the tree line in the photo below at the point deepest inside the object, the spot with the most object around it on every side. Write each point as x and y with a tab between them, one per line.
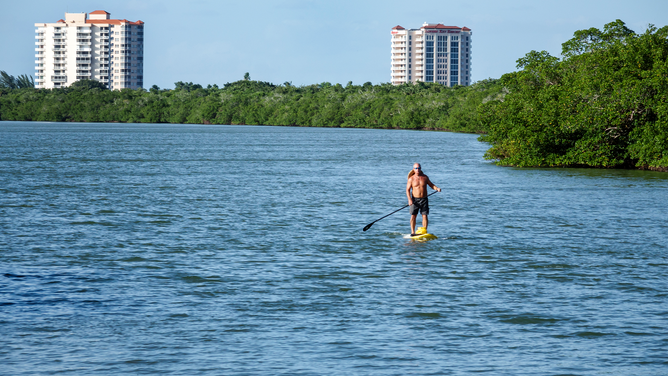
603	104
409	106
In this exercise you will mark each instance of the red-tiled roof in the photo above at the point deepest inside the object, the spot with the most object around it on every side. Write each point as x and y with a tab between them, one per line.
114	22
99	12
110	22
466	28
61	20
440	26
398	28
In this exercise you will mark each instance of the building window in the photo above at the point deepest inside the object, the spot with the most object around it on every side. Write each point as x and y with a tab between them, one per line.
429	72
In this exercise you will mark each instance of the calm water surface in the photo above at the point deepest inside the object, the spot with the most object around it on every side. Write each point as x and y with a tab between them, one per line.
209	250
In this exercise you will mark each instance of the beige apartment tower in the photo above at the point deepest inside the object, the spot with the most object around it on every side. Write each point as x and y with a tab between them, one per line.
89	46
432	53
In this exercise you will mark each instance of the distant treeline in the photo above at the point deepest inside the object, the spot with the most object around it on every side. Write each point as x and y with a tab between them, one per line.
605	104
408	106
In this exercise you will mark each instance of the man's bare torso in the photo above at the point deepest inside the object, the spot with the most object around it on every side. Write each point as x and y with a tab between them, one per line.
419	185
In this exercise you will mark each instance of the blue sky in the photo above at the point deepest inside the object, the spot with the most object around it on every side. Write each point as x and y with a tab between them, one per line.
313	41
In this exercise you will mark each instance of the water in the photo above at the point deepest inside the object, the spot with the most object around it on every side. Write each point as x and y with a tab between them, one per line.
209	250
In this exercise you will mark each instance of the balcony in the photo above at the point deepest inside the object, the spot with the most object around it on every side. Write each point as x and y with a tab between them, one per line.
80	31
58	78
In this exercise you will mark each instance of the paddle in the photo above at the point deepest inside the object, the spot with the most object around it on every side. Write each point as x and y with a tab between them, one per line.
371	224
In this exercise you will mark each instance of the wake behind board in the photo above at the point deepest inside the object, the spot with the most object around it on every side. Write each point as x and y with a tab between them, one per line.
421	235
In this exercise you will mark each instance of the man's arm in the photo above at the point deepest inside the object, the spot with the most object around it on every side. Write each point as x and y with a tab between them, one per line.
409	185
432	185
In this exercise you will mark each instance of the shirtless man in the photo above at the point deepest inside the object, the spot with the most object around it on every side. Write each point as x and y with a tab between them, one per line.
417	199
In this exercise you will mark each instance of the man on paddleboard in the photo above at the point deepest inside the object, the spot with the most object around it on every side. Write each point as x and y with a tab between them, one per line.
417	199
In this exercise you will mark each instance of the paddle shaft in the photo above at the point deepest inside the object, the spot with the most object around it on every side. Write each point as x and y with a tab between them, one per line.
404	207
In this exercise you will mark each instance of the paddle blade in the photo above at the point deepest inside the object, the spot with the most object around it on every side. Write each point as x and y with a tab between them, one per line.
368	226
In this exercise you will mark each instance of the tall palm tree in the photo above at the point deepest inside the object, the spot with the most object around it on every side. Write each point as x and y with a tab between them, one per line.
11	82
7	81
24	81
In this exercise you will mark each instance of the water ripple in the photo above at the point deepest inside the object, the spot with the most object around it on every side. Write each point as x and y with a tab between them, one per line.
155	249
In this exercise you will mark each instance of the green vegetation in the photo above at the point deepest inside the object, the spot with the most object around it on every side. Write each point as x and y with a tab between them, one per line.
88	84
604	104
420	106
11	82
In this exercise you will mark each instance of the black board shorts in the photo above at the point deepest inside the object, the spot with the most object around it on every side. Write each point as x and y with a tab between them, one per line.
420	205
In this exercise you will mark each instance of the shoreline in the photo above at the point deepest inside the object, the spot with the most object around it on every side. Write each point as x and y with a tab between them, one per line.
428	129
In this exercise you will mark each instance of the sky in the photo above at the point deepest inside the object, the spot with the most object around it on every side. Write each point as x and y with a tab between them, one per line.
308	42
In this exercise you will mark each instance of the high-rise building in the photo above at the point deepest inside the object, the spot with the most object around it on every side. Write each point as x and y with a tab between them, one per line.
89	46
432	53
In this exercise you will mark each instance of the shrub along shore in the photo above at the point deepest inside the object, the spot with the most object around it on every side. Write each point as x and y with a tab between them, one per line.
421	106
604	104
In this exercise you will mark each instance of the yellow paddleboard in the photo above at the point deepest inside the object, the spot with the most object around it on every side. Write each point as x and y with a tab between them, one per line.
421	235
